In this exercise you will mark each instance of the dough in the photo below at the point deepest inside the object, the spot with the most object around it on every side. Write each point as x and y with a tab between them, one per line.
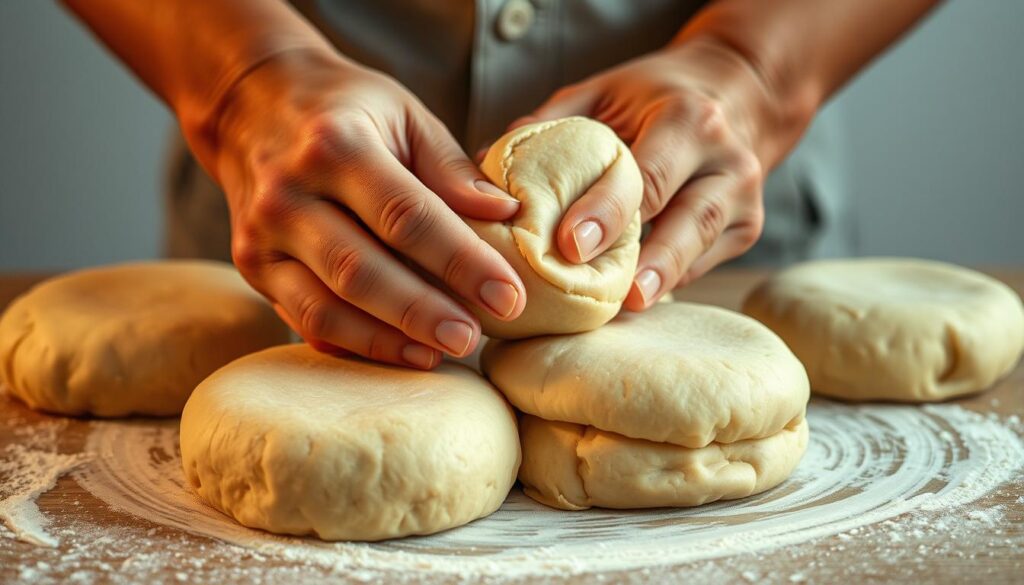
547	166
893	328
573	467
679	373
297	442
130	339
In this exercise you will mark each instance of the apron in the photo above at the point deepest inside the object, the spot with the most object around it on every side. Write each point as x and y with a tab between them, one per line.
480	64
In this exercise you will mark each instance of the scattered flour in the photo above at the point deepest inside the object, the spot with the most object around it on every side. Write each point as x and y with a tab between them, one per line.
890	485
29	468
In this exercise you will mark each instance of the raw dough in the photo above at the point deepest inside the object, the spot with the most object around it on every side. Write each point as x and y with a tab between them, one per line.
893	328
297	442
573	467
547	166
679	373
130	339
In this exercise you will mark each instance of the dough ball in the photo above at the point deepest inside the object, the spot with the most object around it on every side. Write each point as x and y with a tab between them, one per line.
130	339
573	467
297	442
547	166
893	328
678	373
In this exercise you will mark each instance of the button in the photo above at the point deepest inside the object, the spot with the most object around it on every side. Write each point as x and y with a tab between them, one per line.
515	19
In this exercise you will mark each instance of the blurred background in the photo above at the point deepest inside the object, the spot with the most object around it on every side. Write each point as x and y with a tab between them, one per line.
933	143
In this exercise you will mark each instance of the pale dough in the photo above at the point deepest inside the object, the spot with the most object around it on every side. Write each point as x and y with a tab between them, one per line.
893	328
547	166
132	338
573	467
679	373
297	442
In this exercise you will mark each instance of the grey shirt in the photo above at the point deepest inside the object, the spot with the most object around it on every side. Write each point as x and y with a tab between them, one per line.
480	64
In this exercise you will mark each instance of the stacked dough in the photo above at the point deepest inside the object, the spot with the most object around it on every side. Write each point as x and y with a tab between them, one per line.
893	328
547	167
677	406
130	339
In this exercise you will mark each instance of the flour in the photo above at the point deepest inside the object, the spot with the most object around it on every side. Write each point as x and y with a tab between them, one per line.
29	468
869	470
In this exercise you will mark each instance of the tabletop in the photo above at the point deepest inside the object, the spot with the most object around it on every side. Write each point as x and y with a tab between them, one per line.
94	541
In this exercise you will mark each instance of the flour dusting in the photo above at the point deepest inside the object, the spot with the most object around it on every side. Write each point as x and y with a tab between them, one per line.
28	469
875	469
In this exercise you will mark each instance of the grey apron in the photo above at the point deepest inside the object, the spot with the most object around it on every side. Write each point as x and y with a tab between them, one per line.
479	65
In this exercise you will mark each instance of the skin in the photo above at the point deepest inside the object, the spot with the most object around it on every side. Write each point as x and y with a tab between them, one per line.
345	191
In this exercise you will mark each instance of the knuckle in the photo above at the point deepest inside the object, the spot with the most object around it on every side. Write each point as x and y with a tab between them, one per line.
750	231
272	199
352	276
709	221
377	346
411	314
655	173
245	252
405	219
710	123
314	316
458	266
749	171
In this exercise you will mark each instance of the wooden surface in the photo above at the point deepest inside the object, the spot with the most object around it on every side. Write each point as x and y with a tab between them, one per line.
997	557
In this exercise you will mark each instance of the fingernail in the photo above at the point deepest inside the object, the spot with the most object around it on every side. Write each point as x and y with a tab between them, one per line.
587	236
647	283
491	190
419	355
455	336
500	297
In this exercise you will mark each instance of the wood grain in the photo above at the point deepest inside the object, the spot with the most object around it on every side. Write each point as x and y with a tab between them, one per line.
929	558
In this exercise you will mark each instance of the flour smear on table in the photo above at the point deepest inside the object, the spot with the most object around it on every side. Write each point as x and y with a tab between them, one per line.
865	465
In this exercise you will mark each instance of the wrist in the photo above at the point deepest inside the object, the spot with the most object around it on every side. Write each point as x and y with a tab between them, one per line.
777	108
251	85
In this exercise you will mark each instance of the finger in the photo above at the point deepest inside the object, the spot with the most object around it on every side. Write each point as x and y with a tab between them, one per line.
564	103
443	167
409	218
668	158
687	228
359	270
736	240
597	219
327	322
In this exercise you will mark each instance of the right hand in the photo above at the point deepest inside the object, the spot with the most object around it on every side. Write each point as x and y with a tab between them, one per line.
337	178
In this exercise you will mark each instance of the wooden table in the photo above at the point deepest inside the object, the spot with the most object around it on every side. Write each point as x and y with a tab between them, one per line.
997	558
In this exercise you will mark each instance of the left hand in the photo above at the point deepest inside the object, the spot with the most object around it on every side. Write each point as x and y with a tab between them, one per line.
693	115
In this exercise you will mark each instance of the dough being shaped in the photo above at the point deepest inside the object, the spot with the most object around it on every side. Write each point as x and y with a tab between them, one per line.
678	373
297	442
893	328
574	467
131	338
547	166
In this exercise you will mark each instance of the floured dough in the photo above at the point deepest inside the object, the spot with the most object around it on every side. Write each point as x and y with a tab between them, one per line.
297	442
547	166
573	467
130	339
679	373
893	328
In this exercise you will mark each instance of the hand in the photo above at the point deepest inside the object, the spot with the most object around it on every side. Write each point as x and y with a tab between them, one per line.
689	114
338	180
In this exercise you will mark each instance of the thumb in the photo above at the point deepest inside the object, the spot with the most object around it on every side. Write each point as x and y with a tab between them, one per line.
444	168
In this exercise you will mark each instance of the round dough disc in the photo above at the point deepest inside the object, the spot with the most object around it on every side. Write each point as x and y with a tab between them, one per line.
679	373
893	328
574	467
297	442
132	338
547	166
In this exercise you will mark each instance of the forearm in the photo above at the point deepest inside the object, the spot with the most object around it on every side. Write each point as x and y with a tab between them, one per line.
192	53
801	51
